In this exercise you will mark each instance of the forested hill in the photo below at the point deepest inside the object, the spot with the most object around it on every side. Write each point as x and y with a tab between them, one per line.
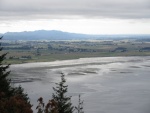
59	35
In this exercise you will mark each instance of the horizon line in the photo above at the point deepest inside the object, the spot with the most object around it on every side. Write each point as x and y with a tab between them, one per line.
74	32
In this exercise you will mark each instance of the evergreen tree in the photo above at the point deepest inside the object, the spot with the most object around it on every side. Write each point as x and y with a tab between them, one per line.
79	108
63	101
4	82
12	100
20	92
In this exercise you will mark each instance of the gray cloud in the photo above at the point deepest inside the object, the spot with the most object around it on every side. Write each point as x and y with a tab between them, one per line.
40	9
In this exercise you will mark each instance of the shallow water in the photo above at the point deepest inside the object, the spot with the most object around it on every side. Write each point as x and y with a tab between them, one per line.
107	85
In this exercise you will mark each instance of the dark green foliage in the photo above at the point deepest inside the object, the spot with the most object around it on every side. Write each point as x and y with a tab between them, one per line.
4	82
20	91
79	108
12	100
64	102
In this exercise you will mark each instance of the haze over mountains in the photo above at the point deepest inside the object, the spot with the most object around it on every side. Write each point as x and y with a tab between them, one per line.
59	35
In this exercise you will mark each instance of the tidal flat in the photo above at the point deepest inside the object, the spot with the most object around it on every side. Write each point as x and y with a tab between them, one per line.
107	84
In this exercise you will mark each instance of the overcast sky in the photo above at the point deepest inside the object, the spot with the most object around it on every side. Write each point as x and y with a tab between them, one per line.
80	16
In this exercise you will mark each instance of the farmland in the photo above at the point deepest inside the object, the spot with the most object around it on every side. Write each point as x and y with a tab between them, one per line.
44	51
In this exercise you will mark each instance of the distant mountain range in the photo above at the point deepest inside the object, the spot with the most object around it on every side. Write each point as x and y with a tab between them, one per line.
45	35
59	35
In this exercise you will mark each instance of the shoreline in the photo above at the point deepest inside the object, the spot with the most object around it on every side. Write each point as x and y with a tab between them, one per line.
12	62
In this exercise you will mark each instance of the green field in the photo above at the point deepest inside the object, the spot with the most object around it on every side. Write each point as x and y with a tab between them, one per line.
45	51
